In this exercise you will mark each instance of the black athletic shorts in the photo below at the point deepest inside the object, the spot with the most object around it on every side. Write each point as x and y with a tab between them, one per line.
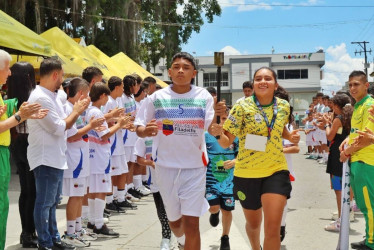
249	190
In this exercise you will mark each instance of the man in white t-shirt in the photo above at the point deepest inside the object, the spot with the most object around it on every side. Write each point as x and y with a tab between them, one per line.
46	151
177	117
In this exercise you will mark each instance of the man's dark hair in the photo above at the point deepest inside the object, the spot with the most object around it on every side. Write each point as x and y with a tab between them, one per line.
358	73
77	84
319	94
48	65
113	82
314	97
138	79
188	57
325	97
128	82
150	79
211	90
247	84
90	72
97	90
158	86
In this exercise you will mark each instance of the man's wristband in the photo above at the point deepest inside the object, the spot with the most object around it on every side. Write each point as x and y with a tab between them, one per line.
17	117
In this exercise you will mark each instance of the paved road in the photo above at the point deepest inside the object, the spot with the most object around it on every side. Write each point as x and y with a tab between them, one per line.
310	209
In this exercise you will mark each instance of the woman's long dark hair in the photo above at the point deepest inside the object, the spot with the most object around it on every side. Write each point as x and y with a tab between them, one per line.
283	94
343	101
21	82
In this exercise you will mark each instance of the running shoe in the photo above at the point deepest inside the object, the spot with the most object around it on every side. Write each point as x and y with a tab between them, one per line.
105	232
214	219
107	213
309	157
74	240
333	226
131	198
143	191
134	193
127	205
225	243
358	245
85	235
62	245
165	244
114	208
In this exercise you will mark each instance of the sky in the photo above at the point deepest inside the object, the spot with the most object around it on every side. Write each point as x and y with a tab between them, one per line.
258	26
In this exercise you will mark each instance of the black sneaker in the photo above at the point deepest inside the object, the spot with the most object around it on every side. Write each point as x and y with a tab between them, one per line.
145	184
134	193
60	245
113	207
358	245
104	231
107	213
126	205
282	232
90	226
214	219
225	243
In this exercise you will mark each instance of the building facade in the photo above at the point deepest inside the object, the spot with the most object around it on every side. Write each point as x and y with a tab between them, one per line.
299	73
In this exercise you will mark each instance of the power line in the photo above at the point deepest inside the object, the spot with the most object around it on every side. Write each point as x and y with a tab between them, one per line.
311	25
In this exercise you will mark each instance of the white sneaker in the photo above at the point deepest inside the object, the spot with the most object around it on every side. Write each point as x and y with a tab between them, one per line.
333	226
131	198
85	235
144	191
352	216
335	216
74	240
106	220
165	244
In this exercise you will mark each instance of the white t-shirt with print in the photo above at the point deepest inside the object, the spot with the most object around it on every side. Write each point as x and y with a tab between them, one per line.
128	102
99	150
116	144
77	151
182	120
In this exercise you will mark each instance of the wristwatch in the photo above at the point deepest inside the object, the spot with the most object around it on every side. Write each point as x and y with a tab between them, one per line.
18	118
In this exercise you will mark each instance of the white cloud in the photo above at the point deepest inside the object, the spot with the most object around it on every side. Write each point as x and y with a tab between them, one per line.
339	64
229	50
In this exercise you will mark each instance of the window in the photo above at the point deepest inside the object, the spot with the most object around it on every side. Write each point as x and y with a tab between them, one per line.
292	74
210	80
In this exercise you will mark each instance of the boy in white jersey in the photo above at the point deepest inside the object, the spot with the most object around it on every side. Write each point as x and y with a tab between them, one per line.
76	176
118	161
99	156
177	117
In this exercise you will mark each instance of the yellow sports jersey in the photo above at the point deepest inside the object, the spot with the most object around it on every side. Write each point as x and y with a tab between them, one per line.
5	136
245	118
359	122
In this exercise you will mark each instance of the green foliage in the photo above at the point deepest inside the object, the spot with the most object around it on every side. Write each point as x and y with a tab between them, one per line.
146	30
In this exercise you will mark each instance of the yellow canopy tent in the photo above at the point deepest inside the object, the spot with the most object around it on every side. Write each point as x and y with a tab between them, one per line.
16	38
71	69
126	62
74	52
107	60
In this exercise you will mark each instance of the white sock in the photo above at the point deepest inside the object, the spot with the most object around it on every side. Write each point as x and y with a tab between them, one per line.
70	227
115	192
181	240
85	211
283	223
99	210
129	186
91	211
137	181
126	188
121	195
109	199
78	224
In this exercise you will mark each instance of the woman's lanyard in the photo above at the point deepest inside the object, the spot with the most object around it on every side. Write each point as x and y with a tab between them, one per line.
275	112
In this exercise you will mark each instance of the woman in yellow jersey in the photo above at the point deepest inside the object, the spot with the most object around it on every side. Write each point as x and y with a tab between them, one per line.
261	177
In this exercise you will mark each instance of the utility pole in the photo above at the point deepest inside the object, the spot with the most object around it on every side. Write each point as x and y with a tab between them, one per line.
363	46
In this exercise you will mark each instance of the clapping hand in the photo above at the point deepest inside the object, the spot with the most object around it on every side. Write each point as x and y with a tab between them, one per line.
364	138
3	109
294	136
